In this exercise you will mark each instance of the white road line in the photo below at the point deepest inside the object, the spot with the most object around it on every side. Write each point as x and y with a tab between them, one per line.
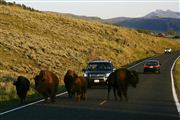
141	62
136	64
103	102
8	111
173	88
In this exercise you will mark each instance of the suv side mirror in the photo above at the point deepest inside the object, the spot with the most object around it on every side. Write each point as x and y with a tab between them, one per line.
114	69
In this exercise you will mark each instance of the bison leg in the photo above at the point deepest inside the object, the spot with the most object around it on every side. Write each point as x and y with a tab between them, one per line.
72	94
109	90
68	88
119	94
125	94
114	90
53	94
69	93
22	97
78	97
21	100
45	97
83	97
53	98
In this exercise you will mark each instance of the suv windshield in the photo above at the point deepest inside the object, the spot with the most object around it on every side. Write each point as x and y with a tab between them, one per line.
99	67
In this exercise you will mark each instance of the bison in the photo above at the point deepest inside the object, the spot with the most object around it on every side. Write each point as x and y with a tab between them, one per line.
120	81
22	86
79	87
69	79
46	83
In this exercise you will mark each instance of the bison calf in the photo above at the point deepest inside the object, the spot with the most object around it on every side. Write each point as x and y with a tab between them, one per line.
79	87
69	79
120	81
46	83
22	86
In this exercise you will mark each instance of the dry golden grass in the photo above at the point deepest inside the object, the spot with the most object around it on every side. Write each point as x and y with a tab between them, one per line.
31	41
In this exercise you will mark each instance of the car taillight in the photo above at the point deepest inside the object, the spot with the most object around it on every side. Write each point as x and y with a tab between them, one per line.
157	66
146	66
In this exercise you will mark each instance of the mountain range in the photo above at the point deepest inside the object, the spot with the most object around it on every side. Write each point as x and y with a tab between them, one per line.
158	21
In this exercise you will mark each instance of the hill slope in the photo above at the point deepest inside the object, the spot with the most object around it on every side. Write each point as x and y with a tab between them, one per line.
31	41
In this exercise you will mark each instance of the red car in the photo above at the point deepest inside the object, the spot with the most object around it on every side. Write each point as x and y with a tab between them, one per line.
152	66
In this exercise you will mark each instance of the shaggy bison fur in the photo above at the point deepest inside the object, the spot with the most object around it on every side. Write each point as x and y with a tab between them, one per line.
22	86
120	80
46	83
69	79
79	87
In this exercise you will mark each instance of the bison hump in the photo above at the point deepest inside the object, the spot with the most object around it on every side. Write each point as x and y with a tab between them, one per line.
122	76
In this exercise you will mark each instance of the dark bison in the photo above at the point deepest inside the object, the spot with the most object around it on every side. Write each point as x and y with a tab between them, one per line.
79	87
22	86
69	79
120	81
46	83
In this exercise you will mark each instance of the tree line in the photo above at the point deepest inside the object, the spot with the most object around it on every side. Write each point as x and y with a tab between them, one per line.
15	4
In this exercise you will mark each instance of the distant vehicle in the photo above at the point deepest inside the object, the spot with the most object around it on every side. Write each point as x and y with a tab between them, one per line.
97	72
167	50
152	66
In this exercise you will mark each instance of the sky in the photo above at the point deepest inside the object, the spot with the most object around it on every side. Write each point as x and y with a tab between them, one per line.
103	8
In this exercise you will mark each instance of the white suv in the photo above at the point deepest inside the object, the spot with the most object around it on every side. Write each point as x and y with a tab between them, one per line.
167	50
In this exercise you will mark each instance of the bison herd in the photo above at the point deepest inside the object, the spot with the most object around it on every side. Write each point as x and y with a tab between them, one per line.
46	83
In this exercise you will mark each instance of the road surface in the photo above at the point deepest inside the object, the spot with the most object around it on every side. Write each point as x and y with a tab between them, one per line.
151	100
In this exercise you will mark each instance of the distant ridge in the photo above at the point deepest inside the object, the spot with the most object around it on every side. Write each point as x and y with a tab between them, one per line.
163	14
158	21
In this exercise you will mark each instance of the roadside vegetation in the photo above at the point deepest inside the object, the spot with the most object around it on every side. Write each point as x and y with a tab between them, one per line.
31	40
177	77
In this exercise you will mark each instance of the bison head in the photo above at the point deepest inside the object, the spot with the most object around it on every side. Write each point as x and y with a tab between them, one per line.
134	78
15	82
38	80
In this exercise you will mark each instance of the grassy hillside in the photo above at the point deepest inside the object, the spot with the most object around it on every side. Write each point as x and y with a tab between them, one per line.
30	41
177	77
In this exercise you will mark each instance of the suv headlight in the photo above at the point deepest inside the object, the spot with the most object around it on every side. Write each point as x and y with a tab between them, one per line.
85	75
107	75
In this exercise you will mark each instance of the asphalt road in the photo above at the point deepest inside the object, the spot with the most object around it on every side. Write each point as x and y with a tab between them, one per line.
151	100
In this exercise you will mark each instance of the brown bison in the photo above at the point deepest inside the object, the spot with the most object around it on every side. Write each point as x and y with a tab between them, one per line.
46	83
120	81
22	86
79	87
69	79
